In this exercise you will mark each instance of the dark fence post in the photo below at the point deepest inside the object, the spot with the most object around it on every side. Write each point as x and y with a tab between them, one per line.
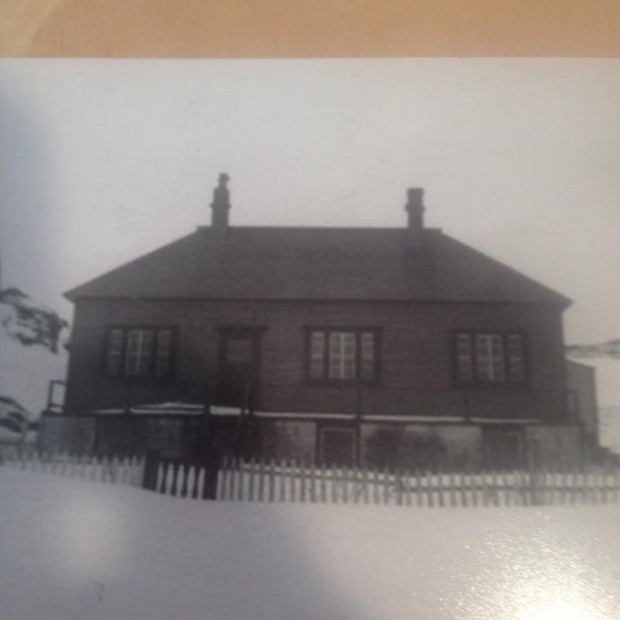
536	486
211	467
151	465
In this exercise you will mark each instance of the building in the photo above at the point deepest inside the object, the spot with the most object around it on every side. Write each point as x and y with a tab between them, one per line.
582	405
391	346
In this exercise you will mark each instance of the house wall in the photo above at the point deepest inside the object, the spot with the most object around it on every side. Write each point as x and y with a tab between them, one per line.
413	447
288	440
416	363
421	446
553	446
172	436
67	434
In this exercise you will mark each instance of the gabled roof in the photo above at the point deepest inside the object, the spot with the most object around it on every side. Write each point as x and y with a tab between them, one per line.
318	264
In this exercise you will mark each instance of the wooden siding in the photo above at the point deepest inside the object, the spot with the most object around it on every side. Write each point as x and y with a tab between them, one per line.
416	354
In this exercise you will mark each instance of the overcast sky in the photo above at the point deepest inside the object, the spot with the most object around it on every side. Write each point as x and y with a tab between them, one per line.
101	161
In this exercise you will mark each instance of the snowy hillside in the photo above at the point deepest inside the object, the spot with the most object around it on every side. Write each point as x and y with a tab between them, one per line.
610	349
82	550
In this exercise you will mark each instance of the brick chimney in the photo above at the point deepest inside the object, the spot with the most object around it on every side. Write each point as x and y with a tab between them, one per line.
221	203
415	210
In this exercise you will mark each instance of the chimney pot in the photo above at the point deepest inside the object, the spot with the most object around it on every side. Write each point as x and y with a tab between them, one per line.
415	209
221	203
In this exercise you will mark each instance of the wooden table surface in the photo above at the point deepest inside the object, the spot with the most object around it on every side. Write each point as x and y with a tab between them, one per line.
308	28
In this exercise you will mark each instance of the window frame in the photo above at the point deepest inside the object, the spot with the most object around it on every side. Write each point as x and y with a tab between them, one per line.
508	382
357	331
156	330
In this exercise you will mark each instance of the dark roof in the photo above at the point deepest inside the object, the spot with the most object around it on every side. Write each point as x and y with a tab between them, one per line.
318	263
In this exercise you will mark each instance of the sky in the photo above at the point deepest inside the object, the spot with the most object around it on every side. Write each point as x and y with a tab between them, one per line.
102	161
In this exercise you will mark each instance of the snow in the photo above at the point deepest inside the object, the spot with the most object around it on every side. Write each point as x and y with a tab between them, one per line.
182	408
179	408
87	550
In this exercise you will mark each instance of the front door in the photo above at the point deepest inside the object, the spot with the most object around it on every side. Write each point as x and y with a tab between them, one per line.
238	368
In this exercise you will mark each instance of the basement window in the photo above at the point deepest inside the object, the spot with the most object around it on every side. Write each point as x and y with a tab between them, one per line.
139	352
489	358
342	355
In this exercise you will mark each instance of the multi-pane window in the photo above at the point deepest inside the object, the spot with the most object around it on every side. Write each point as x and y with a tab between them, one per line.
515	358
139	352
163	353
342	355
487	357
114	352
490	358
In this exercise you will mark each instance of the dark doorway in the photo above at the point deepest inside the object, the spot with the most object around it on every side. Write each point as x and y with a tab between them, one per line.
504	448
238	368
337	445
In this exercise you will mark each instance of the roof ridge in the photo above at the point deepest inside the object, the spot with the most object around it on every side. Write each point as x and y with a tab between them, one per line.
316	228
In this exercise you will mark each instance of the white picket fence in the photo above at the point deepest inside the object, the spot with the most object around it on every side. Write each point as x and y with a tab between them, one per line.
288	481
127	471
284	481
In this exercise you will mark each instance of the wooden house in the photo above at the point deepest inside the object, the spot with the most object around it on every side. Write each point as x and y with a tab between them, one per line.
390	346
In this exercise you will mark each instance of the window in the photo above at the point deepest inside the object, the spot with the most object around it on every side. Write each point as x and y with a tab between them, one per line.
490	358
342	355
139	352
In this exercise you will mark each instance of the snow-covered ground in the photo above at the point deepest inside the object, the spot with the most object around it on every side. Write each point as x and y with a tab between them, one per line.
72	549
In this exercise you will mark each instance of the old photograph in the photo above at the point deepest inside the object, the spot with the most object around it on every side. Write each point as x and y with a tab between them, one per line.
289	339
